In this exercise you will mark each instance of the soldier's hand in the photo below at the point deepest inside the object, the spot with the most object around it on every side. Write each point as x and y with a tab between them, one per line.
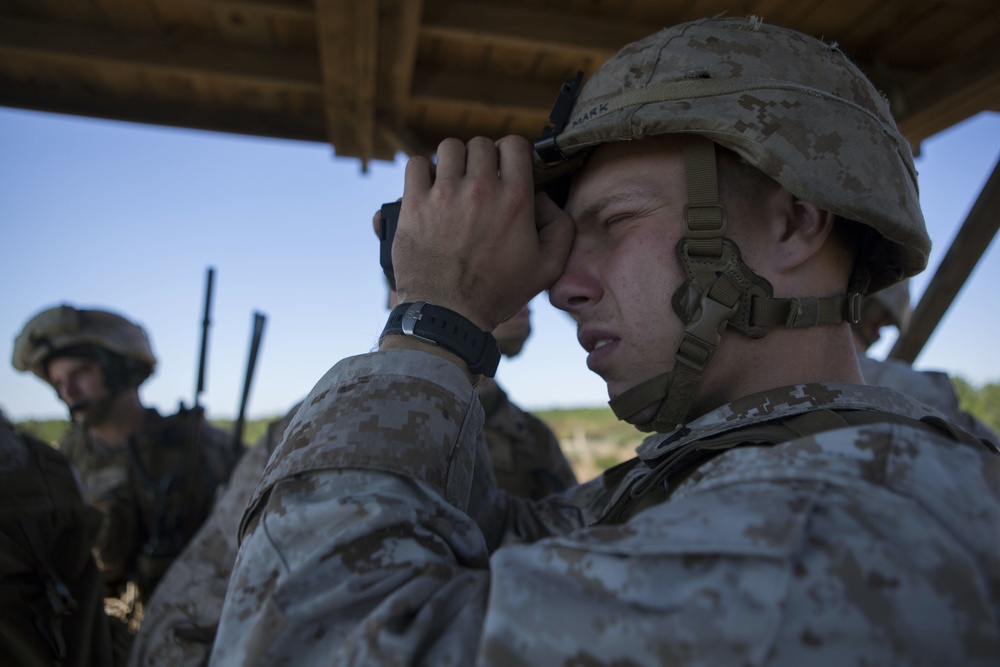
472	235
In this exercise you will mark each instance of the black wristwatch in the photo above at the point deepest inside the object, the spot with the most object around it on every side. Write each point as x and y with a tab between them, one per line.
444	327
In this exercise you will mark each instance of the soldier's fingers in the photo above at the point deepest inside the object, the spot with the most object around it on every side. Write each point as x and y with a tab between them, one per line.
515	162
451	157
555	234
481	159
418	176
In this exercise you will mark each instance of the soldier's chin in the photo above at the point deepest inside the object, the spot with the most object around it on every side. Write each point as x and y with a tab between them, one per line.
645	415
79	411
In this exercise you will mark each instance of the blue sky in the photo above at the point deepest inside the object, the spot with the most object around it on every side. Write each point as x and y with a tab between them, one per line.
128	217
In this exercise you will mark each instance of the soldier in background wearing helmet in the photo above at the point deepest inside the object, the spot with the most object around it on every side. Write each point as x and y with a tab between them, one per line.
781	513
152	477
51	594
891	307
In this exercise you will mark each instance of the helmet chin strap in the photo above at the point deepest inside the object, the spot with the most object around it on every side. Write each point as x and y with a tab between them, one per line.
719	290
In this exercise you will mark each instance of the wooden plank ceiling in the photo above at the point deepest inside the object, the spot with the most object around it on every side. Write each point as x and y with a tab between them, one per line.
374	77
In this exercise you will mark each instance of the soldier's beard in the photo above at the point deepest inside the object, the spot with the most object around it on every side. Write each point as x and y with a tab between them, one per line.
78	407
93	412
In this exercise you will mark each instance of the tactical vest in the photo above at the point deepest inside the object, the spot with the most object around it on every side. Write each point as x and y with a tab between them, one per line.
51	610
642	491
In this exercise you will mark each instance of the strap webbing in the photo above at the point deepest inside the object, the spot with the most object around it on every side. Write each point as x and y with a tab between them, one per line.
644	394
806	311
675	466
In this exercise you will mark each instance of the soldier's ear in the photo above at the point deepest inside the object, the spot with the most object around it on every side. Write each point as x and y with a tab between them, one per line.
799	231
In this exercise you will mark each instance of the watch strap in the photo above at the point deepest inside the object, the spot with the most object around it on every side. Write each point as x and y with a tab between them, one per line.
449	330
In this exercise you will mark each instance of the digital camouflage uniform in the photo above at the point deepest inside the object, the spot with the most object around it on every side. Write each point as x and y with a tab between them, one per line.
51	594
367	543
181	619
154	493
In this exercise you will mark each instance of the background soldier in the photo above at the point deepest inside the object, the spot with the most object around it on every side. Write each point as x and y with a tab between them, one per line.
733	189
51	594
891	307
888	307
153	478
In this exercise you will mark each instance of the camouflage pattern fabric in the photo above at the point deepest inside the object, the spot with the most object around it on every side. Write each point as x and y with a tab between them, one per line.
368	541
527	459
151	505
933	388
51	610
182	617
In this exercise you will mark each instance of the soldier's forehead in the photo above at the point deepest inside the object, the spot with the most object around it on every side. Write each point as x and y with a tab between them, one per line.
69	364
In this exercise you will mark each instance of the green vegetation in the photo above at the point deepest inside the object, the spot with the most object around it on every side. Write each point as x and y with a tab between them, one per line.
252	430
591	424
49	431
592	439
982	402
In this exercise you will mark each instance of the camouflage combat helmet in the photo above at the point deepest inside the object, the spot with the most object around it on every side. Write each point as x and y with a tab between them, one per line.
792	107
65	329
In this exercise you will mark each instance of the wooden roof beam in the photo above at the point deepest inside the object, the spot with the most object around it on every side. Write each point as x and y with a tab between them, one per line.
470	92
398	33
299	9
44	41
400	139
936	100
230	118
347	33
529	28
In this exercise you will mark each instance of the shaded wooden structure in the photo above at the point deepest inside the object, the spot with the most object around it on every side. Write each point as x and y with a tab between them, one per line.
377	77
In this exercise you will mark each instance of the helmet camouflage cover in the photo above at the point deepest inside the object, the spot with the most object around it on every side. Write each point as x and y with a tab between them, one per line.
792	106
64	327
